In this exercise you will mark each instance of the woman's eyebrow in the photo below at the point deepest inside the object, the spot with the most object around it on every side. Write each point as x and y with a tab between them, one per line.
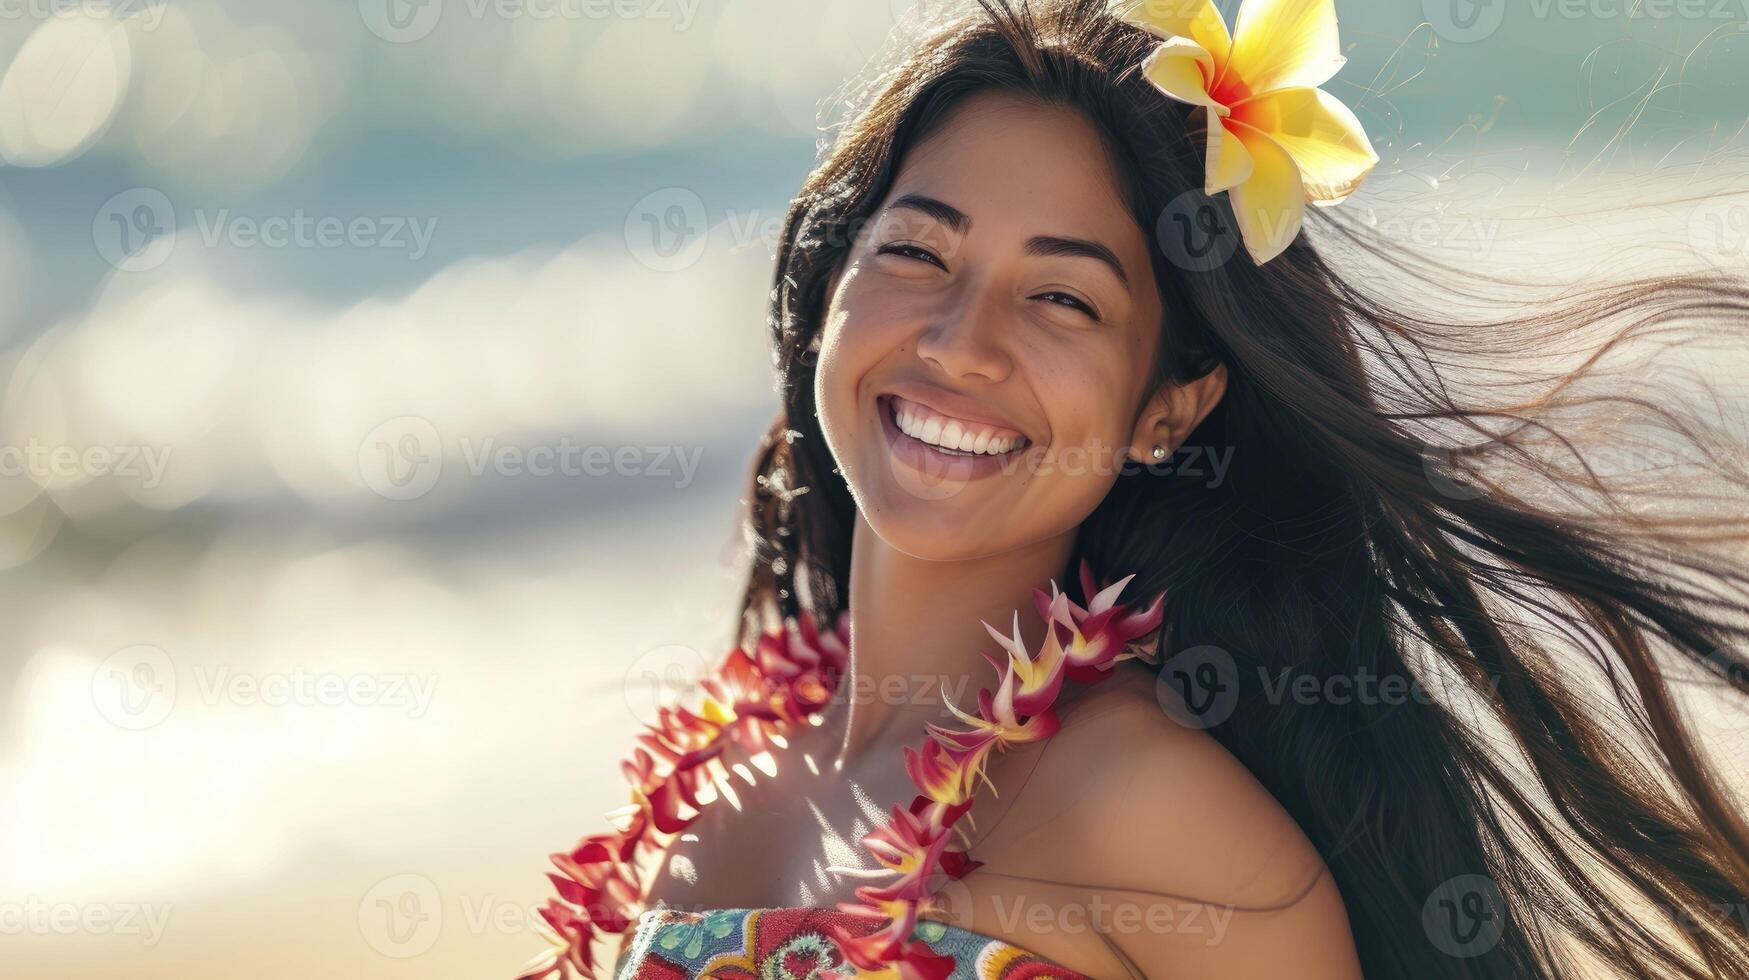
1042	245
941	211
1080	248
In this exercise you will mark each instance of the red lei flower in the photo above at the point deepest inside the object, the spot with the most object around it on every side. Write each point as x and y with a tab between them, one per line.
754	700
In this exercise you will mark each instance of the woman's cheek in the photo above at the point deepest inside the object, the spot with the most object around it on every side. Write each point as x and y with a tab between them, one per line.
868	327
835	385
850	347
1087	434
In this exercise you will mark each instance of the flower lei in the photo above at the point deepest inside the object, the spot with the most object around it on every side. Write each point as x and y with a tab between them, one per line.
754	699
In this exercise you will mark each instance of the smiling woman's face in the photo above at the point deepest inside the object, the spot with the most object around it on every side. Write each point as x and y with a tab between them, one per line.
1001	301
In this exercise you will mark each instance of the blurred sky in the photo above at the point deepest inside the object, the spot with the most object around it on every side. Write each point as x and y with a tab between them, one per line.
410	356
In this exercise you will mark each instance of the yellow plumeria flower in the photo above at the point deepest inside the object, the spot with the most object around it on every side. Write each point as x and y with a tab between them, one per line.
1275	140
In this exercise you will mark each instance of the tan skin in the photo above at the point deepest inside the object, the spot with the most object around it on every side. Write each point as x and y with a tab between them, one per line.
1127	845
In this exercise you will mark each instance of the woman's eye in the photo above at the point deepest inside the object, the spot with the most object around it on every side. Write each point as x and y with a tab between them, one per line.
912	251
1072	302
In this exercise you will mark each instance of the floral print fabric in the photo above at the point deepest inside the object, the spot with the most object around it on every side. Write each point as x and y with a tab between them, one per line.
794	944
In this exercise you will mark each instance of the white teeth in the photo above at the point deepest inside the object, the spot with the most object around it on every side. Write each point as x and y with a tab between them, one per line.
951	434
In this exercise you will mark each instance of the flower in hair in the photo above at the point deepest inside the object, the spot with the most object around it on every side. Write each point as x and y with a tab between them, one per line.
1275	140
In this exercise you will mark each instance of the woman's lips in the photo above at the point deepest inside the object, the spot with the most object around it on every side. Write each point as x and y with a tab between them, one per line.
950	431
934	463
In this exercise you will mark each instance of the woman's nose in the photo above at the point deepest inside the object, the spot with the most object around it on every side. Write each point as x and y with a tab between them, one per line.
970	340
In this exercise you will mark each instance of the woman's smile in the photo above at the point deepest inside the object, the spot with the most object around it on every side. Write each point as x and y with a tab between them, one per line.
945	447
951	433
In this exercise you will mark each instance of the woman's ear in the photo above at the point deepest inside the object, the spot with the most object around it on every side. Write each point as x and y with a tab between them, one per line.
1175	411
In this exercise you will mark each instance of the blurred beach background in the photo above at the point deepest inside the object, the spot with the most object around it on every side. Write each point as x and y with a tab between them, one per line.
379	379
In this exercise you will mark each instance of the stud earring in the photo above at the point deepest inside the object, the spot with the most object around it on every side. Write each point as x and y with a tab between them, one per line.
1159	452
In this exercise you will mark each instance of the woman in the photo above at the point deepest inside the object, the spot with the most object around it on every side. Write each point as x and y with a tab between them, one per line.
1346	742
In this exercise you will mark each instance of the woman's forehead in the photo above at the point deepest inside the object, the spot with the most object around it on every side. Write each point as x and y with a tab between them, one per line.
1012	161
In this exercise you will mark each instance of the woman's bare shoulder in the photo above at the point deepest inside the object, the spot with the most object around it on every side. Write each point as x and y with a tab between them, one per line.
1127	802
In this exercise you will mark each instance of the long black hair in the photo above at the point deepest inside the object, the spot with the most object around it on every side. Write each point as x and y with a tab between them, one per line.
1349	539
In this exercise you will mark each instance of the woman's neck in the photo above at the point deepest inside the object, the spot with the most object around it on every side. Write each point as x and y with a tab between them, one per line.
917	632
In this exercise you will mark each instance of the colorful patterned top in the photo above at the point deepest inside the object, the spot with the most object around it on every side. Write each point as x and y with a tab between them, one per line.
796	944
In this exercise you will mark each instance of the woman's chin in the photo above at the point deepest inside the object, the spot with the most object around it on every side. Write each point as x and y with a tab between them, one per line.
928	530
